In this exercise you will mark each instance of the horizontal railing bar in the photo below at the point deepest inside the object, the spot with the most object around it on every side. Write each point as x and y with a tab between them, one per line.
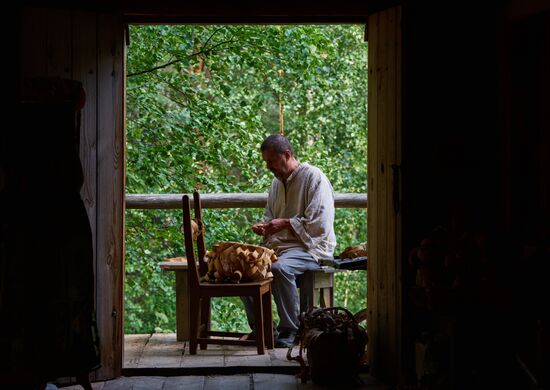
228	201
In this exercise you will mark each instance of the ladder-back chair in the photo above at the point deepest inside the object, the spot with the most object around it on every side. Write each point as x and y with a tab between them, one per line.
201	293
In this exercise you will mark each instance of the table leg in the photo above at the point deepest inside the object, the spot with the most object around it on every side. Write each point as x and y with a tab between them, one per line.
182	306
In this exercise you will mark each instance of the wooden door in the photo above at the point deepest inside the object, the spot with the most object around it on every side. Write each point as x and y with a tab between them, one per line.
384	163
89	47
110	195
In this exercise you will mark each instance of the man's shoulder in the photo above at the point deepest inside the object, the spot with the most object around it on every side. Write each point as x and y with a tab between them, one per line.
312	171
309	169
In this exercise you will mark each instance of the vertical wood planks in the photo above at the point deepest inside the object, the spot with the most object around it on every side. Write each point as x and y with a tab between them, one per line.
89	48
84	38
59	44
398	279
372	266
384	299
390	113
383	214
85	71
110	200
393	245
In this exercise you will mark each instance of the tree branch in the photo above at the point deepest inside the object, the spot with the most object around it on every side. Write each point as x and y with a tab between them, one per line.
155	68
177	90
202	51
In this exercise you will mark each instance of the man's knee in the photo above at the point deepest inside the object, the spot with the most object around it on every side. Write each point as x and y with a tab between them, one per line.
281	270
277	268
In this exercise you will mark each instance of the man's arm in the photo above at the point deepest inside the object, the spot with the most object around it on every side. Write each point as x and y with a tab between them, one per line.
318	219
276	225
259	228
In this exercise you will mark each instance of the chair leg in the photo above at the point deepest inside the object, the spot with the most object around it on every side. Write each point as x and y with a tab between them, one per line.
268	320
259	320
194	308
205	320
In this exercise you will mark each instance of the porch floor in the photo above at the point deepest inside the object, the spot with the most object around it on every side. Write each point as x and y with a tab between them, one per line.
157	353
161	350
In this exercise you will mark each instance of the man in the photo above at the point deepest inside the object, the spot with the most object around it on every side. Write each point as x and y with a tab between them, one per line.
298	225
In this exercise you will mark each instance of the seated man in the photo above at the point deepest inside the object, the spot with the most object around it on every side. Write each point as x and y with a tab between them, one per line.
298	225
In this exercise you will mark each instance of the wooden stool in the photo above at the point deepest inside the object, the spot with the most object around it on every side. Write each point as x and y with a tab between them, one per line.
316	288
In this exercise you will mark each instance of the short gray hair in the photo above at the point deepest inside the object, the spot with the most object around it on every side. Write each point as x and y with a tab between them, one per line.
277	143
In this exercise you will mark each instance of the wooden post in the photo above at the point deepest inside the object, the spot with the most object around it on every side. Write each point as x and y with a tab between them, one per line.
110	199
384	266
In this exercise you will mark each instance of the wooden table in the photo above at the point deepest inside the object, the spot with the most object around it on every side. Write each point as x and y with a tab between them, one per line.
182	296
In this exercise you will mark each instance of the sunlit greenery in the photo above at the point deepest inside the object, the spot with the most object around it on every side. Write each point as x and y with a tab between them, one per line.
197	121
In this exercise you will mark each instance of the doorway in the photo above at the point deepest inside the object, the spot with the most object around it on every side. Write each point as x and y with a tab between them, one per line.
200	100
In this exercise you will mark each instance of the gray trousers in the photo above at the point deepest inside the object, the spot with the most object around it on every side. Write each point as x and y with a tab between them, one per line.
291	263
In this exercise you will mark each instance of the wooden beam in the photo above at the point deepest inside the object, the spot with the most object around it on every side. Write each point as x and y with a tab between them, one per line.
84	68
384	220
168	11
223	11
227	201
110	193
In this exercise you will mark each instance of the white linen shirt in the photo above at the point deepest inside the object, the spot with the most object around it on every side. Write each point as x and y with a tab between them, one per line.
307	200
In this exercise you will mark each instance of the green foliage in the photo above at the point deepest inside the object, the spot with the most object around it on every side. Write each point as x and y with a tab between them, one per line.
197	121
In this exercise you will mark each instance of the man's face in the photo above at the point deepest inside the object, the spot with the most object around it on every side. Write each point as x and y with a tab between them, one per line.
277	163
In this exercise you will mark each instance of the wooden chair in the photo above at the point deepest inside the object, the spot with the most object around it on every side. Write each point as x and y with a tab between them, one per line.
201	293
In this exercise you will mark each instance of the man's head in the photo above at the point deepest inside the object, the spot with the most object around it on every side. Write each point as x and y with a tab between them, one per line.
278	156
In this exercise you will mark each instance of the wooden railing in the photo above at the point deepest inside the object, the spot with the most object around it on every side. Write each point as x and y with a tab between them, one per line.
228	201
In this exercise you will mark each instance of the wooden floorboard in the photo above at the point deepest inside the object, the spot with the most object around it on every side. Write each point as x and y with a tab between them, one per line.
213	356
226	382
159	361
274	381
134	344
184	383
278	357
162	350
245	356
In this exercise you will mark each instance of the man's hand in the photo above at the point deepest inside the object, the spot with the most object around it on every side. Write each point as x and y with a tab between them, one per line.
276	225
258	228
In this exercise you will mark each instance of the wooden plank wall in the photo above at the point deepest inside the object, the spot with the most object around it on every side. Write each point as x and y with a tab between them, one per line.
89	47
384	157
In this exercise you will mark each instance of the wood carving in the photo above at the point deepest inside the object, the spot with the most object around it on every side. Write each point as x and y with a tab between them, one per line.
194	229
